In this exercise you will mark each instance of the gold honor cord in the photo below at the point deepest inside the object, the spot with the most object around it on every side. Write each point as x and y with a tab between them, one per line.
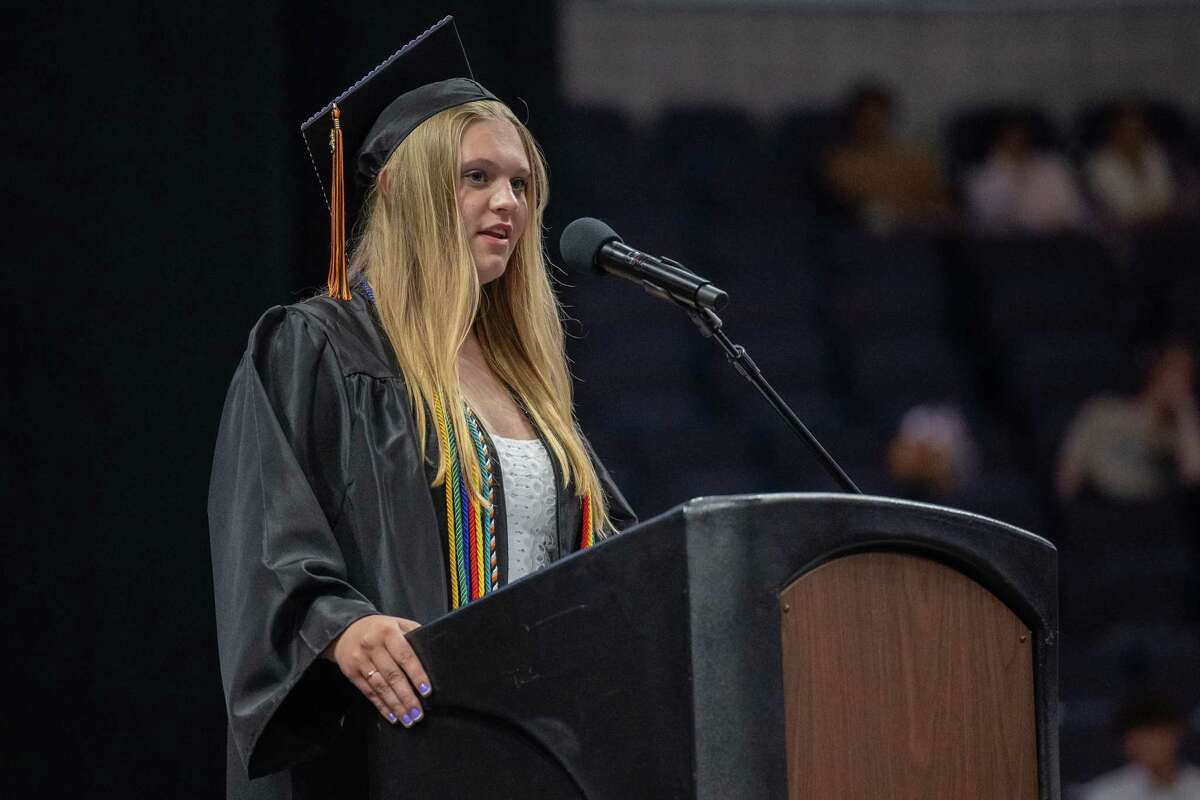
339	287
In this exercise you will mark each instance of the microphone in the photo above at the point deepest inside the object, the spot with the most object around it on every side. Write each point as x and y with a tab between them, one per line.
589	244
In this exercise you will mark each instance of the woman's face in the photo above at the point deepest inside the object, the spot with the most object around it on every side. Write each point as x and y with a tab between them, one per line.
492	177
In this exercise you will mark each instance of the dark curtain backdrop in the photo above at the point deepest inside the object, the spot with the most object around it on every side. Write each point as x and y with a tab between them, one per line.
162	199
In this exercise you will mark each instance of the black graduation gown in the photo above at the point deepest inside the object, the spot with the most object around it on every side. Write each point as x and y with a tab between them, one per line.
321	512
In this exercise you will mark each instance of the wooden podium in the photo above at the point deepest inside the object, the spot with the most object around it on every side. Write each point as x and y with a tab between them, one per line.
773	646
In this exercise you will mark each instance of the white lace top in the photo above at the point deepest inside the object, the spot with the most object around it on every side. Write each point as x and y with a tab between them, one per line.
529	500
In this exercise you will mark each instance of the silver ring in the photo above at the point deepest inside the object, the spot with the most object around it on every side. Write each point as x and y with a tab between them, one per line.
369	674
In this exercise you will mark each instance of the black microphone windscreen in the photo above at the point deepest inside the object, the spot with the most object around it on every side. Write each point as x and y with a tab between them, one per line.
582	240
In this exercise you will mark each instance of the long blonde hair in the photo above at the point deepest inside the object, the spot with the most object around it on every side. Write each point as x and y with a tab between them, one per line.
414	252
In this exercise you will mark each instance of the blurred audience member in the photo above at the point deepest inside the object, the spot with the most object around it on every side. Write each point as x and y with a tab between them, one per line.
1123	447
1151	734
1020	188
1130	174
932	455
887	184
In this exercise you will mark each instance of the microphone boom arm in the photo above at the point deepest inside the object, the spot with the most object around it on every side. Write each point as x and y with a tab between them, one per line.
710	326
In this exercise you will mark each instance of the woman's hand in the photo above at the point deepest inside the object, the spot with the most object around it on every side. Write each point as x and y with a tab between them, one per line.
374	655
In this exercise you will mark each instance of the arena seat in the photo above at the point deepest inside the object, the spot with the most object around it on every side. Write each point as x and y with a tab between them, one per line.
890	375
1035	285
885	286
1049	377
1130	561
712	161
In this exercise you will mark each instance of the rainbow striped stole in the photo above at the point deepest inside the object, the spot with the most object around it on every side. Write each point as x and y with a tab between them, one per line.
588	537
470	525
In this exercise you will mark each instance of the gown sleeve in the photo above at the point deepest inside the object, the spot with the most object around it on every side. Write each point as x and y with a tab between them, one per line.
281	589
619	512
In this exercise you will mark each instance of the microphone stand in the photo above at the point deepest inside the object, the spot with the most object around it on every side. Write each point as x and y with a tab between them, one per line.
710	326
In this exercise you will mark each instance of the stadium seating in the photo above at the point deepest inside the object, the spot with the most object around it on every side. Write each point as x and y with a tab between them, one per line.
853	331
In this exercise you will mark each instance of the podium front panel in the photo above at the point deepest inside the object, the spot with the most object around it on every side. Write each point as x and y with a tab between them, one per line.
903	678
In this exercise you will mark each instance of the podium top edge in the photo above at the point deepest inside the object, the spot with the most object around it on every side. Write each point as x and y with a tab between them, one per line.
713	502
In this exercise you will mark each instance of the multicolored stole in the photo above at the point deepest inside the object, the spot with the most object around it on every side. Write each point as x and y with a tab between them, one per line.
470	525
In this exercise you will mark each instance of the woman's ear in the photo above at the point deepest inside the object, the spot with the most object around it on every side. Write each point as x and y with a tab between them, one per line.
382	180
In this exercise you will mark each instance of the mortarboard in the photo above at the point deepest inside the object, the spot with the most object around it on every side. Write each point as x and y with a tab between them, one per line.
371	118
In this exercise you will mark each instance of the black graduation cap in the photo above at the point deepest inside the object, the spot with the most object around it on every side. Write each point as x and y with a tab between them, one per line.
371	118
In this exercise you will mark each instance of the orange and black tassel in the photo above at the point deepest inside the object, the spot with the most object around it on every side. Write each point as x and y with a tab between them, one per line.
339	286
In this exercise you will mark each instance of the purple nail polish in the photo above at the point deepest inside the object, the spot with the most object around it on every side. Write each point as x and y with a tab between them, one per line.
391	717
423	689
405	719
415	713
